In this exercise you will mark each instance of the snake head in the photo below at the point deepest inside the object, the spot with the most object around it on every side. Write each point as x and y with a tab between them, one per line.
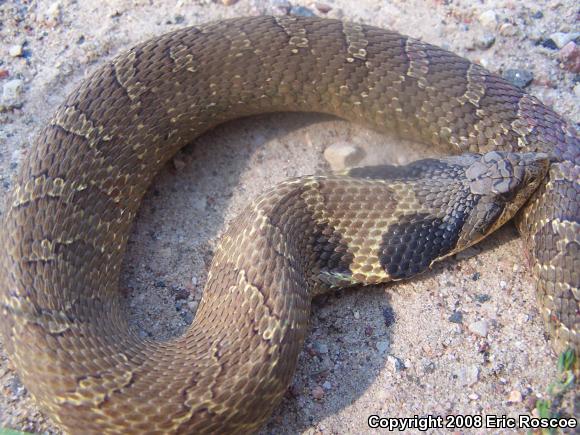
507	175
503	182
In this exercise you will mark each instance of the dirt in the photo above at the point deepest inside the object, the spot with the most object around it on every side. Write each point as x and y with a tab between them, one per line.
466	338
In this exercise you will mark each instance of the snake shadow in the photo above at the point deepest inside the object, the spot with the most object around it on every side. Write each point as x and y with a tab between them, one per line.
186	209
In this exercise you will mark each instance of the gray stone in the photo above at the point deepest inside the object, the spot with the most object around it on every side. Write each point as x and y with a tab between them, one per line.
485	41
456	317
519	77
561	38
12	95
320	348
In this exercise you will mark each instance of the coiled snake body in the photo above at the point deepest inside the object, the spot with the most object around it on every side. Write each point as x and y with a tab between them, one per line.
77	192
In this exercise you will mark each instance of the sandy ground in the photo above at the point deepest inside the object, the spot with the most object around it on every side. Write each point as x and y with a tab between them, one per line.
414	348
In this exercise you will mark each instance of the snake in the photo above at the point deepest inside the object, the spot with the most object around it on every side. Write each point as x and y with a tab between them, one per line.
78	190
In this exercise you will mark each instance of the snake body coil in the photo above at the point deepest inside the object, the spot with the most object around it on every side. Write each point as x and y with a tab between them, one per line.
68	218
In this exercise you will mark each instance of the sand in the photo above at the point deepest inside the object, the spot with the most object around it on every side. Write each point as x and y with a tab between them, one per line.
466	338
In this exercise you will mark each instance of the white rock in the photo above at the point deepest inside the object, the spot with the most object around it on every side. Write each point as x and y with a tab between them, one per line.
340	156
480	328
488	19
16	50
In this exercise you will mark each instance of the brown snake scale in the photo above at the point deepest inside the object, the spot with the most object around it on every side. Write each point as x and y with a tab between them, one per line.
68	218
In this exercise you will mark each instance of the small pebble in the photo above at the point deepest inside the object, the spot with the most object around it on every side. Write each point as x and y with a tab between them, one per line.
187	317
16	50
570	58
382	347
178	163
336	13
318	392
503	285
519	77
488	19
577	90
229	2
485	41
320	348
327	385
538	15
395	364
301	11
468	376
389	316
340	156
561	39
515	397
508	29
323	7
356	314
473	396
12	95
456	317
181	293
482	298
480	328
429	367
